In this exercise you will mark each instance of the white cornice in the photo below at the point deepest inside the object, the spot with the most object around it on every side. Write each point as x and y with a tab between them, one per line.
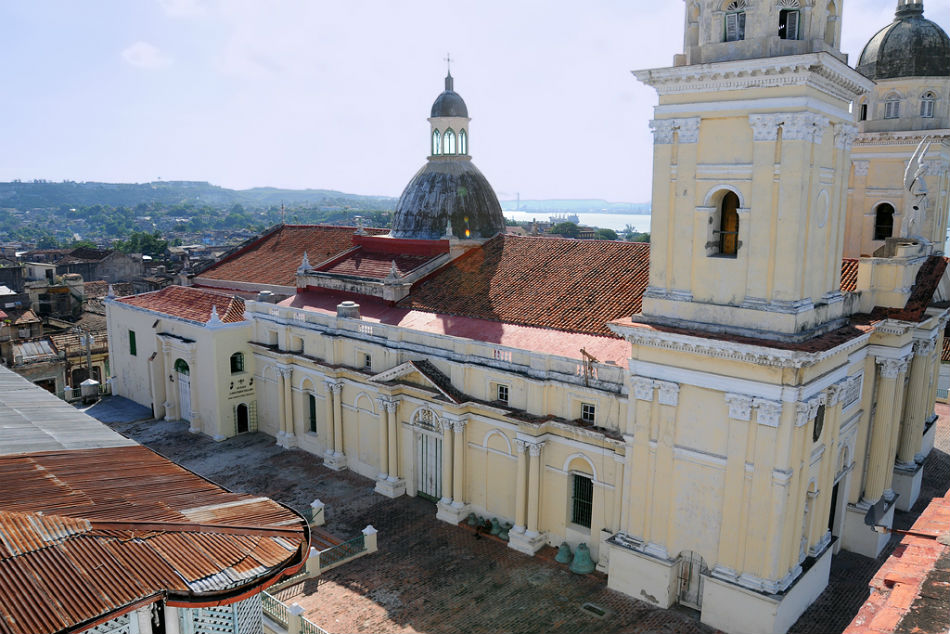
818	70
734	351
903	137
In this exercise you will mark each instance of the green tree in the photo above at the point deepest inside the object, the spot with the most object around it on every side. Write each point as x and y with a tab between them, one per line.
606	234
566	229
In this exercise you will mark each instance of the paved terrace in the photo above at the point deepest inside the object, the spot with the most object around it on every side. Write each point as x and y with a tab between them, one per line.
432	577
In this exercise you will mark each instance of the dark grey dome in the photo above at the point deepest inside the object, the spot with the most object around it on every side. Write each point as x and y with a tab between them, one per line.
444	188
911	46
449	103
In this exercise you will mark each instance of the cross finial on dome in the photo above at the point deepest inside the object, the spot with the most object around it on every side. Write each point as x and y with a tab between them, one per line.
449	83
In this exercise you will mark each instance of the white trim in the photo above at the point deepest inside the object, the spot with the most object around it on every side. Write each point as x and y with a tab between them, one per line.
594	481
699	457
477	447
371	399
494	432
571	459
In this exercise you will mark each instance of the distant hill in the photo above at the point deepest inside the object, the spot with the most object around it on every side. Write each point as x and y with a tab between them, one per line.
45	194
576	206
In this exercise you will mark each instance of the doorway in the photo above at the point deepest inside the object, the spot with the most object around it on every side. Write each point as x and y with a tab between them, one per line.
184	390
690	572
243	419
429	466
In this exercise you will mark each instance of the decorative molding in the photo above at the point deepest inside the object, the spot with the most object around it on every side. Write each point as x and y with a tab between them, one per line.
668	392
845	135
521	445
804	126
861	167
765	126
817	70
891	368
740	406
767	412
643	388
687	130
803	413
458	426
534	448
924	347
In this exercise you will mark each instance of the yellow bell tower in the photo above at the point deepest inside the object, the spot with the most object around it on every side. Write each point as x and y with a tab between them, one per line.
752	135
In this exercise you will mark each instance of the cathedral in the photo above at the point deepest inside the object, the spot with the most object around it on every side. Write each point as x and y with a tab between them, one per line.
715	415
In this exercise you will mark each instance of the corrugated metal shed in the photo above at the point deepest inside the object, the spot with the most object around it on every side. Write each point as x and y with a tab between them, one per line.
86	531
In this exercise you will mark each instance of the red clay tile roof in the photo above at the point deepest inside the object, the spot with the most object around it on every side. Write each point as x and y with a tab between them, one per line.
849	275
85	533
274	257
363	263
570	285
98	289
190	303
909	592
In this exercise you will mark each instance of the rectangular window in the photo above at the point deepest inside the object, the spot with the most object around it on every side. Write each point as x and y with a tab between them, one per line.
367	362
132	348
788	25
588	413
735	27
864	112
927	108
501	393
582	500
892	109
312	402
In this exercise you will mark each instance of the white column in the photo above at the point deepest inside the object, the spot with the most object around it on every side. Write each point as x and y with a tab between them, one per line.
383	439
290	440
534	488
333	457
389	483
447	449
458	457
194	416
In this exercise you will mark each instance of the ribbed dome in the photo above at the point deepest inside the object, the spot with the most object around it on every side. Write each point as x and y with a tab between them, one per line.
448	188
449	103
911	46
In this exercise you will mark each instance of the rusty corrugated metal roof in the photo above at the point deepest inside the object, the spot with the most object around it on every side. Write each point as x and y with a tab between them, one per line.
84	533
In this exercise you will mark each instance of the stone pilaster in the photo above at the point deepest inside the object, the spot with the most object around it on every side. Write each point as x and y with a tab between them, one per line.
531	540
879	462
334	458
392	486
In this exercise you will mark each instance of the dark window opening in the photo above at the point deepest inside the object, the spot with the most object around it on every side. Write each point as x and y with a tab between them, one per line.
729	225
237	363
312	402
788	24
243	420
864	112
582	501
133	350
884	222
819	423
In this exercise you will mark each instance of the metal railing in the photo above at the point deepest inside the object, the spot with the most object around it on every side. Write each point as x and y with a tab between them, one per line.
341	552
309	627
274	609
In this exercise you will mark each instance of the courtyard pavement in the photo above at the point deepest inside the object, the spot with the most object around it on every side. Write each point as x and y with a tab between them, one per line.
429	576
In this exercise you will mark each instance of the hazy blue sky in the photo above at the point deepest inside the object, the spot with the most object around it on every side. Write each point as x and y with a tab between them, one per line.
297	93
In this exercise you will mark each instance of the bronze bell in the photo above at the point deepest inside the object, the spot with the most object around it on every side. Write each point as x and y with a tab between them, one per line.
505	527
563	553
472	520
582	563
495	526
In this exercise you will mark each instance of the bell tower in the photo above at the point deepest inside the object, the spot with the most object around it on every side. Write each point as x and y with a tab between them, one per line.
752	140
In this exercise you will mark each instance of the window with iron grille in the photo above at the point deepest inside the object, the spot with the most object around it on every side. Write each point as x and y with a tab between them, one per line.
582	500
237	363
588	412
313	412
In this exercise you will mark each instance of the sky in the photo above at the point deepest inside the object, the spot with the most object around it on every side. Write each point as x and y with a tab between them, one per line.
335	95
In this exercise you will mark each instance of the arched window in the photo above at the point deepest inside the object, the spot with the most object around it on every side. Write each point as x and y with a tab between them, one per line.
884	221
237	362
436	143
734	21
463	142
831	25
181	367
927	105
729	225
789	20
448	142
892	106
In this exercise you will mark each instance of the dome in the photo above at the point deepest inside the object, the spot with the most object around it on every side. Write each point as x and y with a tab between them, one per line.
911	46
449	103
448	188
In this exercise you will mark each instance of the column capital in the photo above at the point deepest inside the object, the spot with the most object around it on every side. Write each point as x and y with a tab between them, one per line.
890	368
740	406
767	412
924	347
669	392
520	445
836	392
687	130
845	135
861	167
334	385
765	126
389	404
286	371
534	448
643	388
458	426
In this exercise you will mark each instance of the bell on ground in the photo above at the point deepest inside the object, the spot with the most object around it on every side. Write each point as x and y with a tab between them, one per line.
563	553
505	527
472	520
582	564
495	526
